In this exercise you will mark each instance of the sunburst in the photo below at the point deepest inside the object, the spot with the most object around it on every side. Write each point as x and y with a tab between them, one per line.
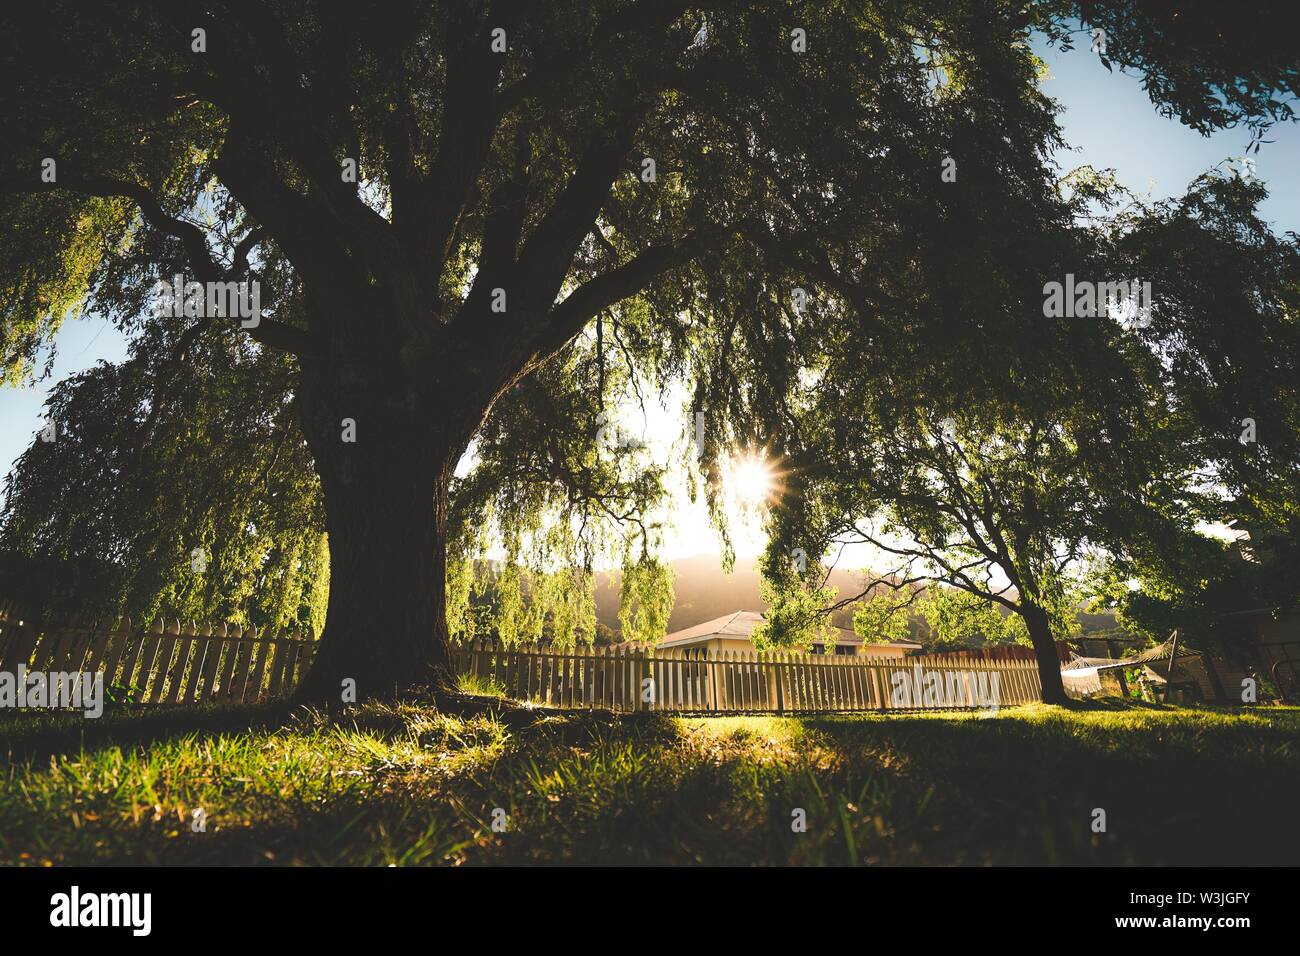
753	479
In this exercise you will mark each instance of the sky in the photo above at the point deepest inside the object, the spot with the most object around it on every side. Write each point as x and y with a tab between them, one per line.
1107	118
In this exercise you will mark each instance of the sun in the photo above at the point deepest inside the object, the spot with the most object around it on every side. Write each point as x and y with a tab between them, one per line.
752	480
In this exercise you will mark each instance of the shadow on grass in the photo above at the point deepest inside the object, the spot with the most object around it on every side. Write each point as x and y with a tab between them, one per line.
27	736
36	735
406	784
1176	787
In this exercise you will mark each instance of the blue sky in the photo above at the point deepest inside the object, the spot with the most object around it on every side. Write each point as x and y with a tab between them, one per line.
1107	118
79	345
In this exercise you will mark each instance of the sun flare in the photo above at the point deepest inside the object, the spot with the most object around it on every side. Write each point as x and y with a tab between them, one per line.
752	480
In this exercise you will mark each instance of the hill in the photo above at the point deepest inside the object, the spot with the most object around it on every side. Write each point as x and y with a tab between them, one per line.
705	592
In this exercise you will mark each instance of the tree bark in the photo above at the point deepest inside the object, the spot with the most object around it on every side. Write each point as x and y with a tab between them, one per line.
1049	664
386	515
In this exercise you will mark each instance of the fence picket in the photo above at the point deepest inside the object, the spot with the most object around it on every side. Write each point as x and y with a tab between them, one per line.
279	650
253	690
296	660
607	678
233	689
99	648
229	656
162	662
722	670
620	662
748	675
212	665
736	685
144	664
176	677
80	648
117	650
202	640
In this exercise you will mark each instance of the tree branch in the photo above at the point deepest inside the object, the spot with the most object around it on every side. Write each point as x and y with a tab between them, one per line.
569	317
268	331
549	251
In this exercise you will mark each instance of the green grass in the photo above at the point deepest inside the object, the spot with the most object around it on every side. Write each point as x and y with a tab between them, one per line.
407	785
480	686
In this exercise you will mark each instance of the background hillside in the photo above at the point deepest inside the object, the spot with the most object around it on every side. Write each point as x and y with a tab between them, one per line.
705	592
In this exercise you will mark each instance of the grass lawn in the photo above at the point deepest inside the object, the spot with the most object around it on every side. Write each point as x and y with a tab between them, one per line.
407	785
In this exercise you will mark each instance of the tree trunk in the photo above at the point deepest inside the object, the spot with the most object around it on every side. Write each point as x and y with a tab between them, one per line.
1049	664
386	514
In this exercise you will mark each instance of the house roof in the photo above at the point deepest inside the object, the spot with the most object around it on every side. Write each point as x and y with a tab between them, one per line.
741	624
735	624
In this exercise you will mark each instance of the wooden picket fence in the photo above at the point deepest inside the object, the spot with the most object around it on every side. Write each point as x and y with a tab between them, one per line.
183	664
686	681
167	664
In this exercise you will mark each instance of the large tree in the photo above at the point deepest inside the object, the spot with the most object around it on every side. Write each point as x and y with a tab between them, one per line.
439	200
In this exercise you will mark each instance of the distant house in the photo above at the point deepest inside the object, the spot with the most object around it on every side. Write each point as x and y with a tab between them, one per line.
734	632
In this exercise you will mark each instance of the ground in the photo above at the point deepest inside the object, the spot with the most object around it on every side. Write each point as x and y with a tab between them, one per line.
409	785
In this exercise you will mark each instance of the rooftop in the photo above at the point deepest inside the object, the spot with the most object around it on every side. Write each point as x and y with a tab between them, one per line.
741	624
